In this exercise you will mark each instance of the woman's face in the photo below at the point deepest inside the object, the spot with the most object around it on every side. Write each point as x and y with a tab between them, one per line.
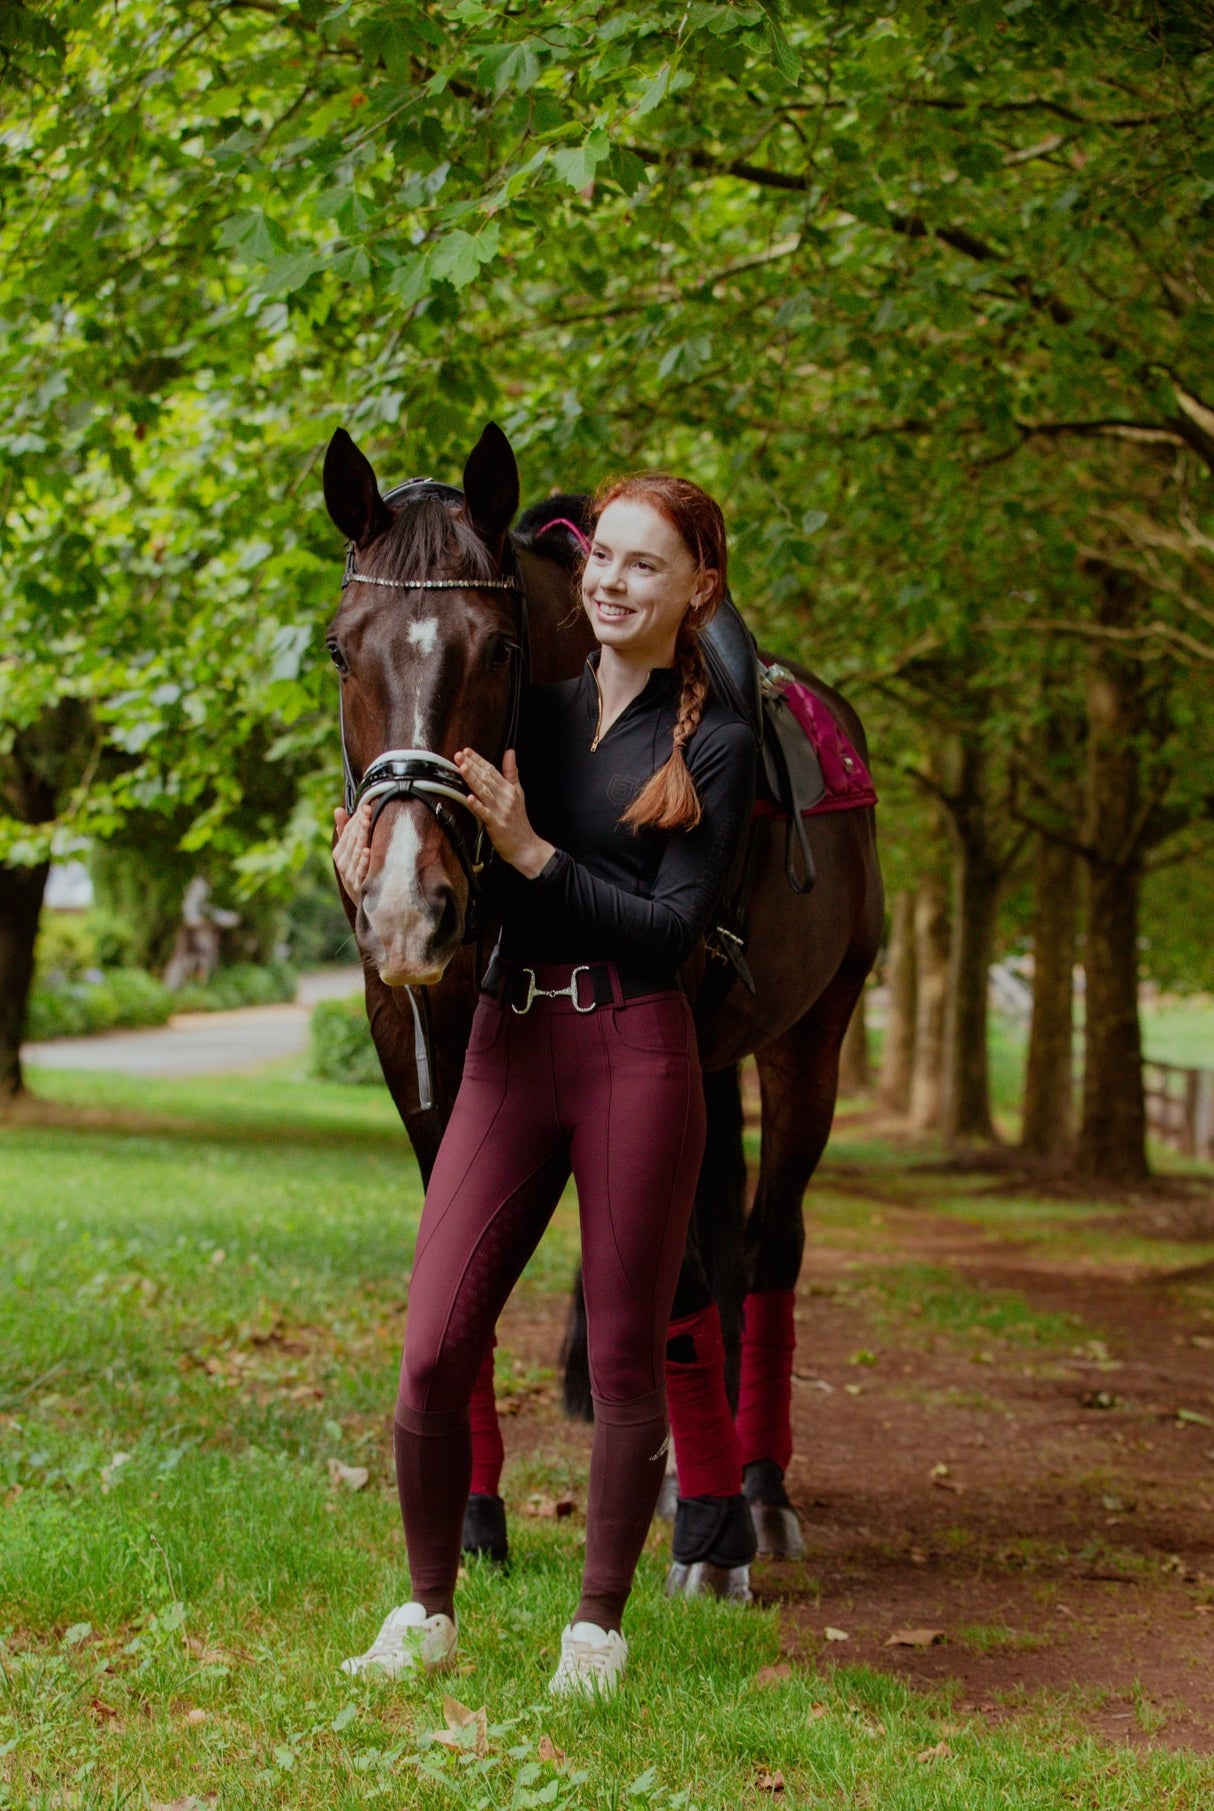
639	582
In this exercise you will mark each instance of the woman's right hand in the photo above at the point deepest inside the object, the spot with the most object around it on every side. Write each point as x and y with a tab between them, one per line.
352	849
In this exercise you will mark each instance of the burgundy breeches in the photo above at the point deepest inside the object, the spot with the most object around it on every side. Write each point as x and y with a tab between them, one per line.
615	1096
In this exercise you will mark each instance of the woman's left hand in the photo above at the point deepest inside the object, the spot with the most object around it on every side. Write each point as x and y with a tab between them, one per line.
497	800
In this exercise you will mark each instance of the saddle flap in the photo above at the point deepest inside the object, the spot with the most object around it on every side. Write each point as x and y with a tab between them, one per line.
732	658
790	760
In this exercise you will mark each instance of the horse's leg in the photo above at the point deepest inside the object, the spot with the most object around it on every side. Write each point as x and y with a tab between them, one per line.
713	1542
799	1077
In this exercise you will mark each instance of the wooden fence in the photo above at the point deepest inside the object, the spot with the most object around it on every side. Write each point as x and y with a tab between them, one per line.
1180	1107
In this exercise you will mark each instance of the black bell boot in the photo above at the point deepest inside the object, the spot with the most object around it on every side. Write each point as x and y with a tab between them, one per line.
713	1545
777	1530
485	1530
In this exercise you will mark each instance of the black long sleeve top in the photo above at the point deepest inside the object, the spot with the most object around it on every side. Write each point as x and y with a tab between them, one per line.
611	893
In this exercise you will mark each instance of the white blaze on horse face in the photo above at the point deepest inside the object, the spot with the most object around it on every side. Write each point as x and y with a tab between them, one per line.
397	914
424	634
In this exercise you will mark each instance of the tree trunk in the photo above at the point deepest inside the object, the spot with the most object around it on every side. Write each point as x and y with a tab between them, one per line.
1048	1126
977	872
931	967
1112	1138
898	1050
854	1071
21	891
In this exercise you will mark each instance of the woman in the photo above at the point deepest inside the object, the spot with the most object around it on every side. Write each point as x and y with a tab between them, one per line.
582	1056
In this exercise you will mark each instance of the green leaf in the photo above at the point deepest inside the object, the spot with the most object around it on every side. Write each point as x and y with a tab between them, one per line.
577	167
626	168
783	55
651	95
510	66
254	236
285	275
458	256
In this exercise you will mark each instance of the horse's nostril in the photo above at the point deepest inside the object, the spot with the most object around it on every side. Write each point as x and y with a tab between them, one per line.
447	929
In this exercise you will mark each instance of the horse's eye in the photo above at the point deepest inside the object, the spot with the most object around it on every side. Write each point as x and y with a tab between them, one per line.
499	653
337	657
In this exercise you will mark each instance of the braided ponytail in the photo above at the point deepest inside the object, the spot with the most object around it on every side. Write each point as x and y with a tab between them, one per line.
669	801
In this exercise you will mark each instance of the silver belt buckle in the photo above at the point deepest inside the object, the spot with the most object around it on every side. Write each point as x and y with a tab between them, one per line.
535	993
531	991
582	969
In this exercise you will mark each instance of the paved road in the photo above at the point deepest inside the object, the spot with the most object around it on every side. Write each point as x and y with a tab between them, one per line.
202	1043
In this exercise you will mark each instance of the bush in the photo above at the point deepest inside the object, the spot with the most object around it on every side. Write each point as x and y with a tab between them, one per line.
244	984
66	947
122	1000
342	1050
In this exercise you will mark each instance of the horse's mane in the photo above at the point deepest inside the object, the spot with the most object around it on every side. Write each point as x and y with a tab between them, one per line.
427	539
559	544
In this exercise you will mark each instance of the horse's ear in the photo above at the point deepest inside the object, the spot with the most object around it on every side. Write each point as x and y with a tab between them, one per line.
491	487
351	493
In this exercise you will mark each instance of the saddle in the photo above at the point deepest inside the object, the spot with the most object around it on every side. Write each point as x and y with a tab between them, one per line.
790	774
807	765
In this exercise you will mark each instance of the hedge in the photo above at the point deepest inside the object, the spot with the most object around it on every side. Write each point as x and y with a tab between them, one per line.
244	984
120	999
342	1050
126	999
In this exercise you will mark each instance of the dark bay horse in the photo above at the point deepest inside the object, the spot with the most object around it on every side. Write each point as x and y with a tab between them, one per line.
444	616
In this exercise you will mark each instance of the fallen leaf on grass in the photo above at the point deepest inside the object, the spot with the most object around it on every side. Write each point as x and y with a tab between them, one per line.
549	1506
941	1752
818	1710
104	1713
354	1477
773	1675
836	1634
467	1731
770	1782
190	1803
196	1715
110	1472
206	1655
915	1638
548	1751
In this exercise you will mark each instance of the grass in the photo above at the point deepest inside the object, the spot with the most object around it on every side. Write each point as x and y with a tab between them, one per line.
200	1306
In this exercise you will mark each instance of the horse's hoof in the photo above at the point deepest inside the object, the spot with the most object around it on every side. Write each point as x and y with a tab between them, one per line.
484	1533
712	1547
777	1530
703	1579
667	1505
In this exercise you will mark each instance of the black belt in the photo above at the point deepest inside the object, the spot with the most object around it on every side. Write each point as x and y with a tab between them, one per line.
586	984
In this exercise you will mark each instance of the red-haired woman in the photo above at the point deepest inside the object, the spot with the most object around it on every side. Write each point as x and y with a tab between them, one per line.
638	786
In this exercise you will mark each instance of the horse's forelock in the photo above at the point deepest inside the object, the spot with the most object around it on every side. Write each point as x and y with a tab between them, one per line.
429	539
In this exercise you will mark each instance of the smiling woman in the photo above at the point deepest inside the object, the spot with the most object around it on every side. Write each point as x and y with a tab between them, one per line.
617	823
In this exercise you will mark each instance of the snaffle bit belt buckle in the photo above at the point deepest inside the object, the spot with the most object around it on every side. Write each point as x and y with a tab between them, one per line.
553	993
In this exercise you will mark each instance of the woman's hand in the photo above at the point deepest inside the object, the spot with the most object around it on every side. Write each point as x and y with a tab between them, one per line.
497	800
352	850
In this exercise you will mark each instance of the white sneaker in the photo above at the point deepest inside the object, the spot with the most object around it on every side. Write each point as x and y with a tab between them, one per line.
409	1640
592	1662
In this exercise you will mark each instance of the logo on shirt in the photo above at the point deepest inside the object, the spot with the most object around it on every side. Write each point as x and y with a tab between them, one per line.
621	789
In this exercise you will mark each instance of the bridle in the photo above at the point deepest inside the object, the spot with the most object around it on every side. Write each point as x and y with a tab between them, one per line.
418	773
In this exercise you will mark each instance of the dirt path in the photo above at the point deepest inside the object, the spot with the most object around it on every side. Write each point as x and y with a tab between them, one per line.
995	1441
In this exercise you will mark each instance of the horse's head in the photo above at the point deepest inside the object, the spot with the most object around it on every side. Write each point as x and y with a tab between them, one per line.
428	643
